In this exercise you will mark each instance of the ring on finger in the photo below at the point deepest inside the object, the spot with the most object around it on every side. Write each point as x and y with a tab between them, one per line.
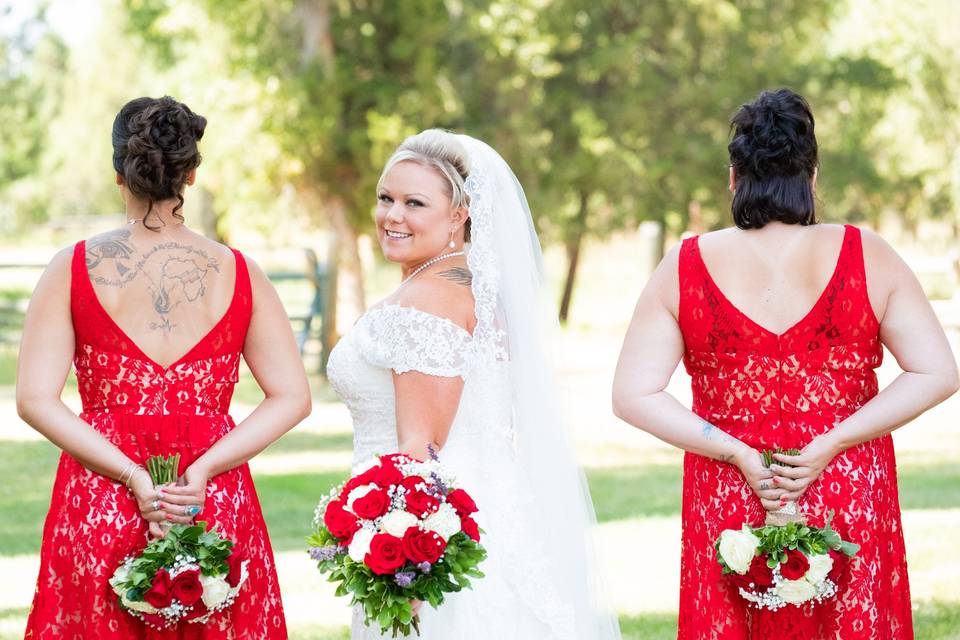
192	510
155	505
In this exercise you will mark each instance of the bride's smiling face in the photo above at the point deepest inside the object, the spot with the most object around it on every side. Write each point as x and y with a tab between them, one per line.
414	218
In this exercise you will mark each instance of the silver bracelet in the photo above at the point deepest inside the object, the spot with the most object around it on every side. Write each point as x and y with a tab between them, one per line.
128	472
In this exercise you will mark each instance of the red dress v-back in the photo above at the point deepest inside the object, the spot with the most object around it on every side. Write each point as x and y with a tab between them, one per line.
146	409
782	390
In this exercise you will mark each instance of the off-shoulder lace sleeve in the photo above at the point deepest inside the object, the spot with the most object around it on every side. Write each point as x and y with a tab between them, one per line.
407	339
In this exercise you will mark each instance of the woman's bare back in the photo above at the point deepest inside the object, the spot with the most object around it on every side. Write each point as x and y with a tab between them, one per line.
776	274
165	291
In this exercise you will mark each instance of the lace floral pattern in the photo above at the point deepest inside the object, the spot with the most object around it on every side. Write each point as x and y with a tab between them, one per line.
407	339
783	390
145	409
516	598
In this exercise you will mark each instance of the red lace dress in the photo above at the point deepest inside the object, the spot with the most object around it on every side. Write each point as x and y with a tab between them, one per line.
783	390
145	410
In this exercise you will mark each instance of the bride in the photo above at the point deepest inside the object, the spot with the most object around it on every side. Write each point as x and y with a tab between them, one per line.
452	360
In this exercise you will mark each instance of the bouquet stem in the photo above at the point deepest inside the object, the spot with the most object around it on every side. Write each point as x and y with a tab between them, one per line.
163	470
788	512
399	628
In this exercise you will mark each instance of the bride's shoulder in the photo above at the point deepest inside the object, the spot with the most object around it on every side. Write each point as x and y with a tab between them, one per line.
425	329
445	295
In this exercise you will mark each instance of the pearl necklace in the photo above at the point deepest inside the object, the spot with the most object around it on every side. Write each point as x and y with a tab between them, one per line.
429	263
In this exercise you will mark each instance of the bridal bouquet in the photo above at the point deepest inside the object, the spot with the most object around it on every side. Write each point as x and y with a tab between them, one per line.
398	530
186	576
783	562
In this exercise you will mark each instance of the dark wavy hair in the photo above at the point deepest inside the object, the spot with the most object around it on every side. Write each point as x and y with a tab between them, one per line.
155	149
773	153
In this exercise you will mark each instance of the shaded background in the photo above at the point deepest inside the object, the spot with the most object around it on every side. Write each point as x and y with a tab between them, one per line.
614	116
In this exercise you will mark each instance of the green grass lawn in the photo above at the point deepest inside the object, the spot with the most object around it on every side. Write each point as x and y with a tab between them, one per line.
620	493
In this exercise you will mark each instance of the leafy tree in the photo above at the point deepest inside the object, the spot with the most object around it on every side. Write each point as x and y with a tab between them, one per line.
32	61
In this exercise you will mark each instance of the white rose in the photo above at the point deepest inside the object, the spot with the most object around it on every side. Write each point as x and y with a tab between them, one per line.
142	606
397	522
362	467
820	566
358	493
360	545
444	521
796	591
737	548
215	590
119	577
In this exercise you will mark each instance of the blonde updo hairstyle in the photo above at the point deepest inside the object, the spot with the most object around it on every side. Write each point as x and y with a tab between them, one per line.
441	151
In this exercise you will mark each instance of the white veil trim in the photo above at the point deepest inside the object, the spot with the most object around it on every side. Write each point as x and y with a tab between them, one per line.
512	324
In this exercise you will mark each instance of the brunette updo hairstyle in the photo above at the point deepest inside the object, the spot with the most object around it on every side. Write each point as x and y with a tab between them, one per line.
155	149
774	158
443	152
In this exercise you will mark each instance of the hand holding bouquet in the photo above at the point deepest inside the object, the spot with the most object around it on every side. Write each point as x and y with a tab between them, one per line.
397	531
186	576
785	561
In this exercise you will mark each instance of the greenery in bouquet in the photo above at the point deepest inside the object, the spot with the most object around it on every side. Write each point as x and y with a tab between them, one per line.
185	576
396	532
774	566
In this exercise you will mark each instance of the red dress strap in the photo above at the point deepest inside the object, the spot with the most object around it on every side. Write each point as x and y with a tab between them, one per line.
692	281
244	290
83	303
852	263
78	278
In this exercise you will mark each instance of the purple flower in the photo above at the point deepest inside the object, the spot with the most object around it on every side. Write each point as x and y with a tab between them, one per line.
404	578
432	452
439	488
321	554
425	567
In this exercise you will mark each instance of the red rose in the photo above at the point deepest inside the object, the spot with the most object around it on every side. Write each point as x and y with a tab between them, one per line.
373	505
187	588
410	483
469	527
341	523
421	545
199	610
234	564
796	565
159	594
382	475
351	484
386	554
420	503
759	574
462	502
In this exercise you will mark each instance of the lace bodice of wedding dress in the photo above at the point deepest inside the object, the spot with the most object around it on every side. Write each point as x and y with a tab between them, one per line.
516	599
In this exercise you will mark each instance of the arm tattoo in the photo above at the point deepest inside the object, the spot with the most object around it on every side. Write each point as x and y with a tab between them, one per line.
458	275
710	432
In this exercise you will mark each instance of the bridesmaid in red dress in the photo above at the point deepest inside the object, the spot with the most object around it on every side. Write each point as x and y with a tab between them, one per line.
780	322
154	318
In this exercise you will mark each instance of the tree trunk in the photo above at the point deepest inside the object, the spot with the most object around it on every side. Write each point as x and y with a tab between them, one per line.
209	221
351	295
574	242
317	42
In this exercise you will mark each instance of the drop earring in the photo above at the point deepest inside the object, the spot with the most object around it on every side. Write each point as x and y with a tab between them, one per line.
452	244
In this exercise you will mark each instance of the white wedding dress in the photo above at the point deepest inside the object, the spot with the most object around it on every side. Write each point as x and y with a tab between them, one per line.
506	446
516	598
